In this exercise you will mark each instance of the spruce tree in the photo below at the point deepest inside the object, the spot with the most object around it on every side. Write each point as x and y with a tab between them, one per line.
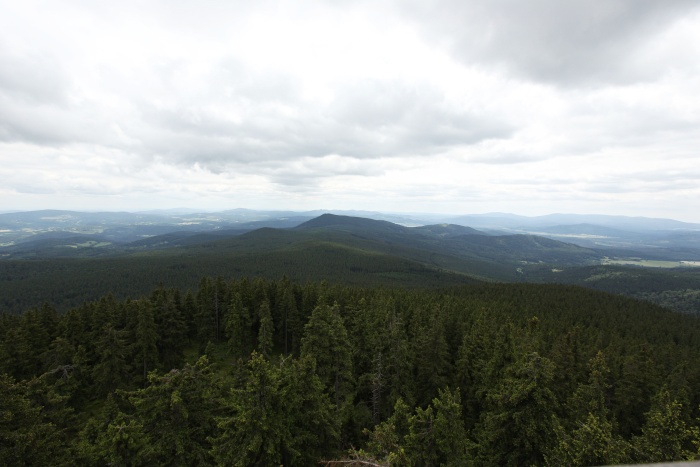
326	342
266	330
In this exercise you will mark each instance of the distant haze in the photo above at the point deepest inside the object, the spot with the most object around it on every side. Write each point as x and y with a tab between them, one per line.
445	106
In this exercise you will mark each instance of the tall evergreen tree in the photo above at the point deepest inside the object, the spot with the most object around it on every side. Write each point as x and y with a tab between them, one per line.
280	416
172	327
290	323
254	434
266	330
436	434
146	338
665	436
635	388
433	365
177	412
113	438
591	437
112	369
238	327
326	342
517	427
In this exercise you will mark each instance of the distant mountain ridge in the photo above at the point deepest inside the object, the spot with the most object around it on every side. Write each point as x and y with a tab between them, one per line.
328	220
490	220
513	221
336	247
447	247
618	235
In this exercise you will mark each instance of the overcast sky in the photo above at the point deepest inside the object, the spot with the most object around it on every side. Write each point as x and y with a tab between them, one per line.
452	106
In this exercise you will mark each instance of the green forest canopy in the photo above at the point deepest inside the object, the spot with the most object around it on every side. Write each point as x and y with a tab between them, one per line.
267	372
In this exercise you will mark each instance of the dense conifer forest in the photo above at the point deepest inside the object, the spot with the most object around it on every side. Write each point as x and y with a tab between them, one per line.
253	371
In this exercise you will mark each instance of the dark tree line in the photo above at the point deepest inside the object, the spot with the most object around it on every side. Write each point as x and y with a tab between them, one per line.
261	372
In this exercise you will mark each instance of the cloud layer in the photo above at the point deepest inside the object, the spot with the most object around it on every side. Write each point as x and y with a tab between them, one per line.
451	106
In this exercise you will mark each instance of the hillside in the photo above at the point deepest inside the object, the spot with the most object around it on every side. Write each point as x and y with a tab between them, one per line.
675	288
119	233
336	248
67	268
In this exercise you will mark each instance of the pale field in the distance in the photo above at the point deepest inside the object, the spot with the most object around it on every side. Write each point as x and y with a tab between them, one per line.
651	263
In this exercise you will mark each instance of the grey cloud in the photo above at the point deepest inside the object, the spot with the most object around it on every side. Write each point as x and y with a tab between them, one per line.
685	178
629	184
599	125
613	183
566	42
310	171
509	157
34	189
35	125
659	180
194	99
33	78
366	120
34	95
404	118
47	125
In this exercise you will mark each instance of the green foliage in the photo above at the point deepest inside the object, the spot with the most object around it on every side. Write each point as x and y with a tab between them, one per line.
387	439
517	427
637	385
26	437
592	438
112	438
146	338
238	327
111	369
492	374
593	397
169	421
591	442
176	411
433	365
172	326
665	435
326	342
434	436
280	416
266	330
437	435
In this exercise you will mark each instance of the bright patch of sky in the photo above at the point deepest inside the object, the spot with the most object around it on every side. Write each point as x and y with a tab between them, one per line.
452	106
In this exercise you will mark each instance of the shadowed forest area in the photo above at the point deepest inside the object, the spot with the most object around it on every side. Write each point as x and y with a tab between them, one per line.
255	371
